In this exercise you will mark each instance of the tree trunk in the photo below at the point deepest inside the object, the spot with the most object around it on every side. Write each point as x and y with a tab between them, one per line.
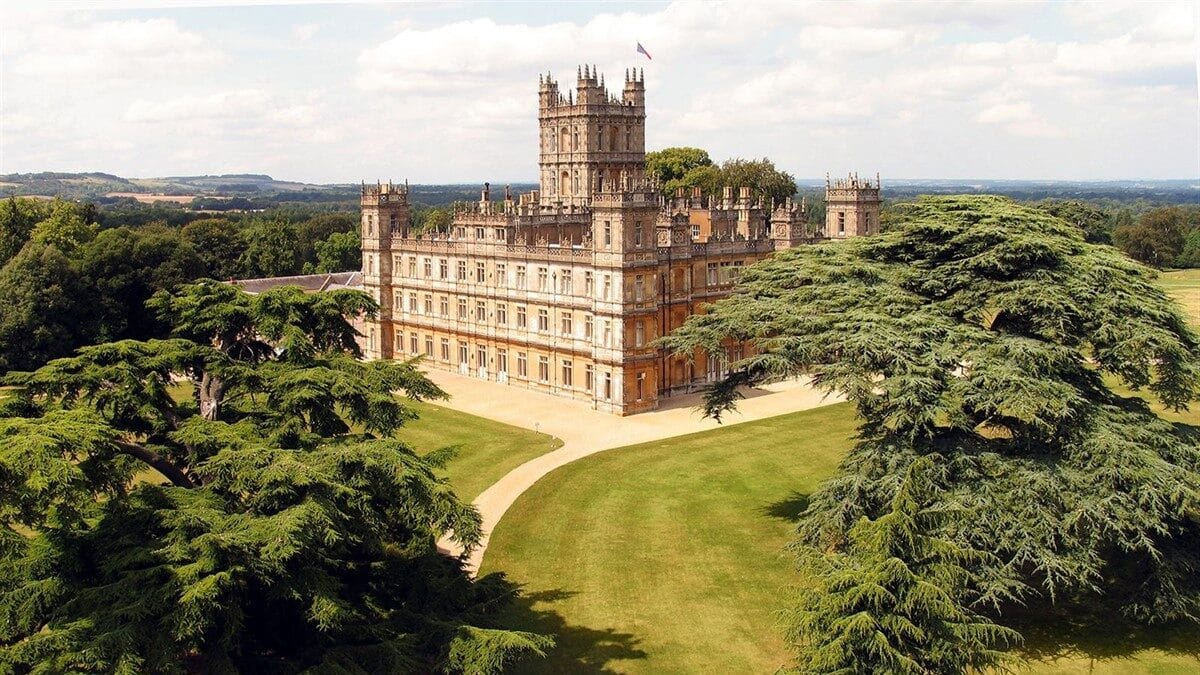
212	391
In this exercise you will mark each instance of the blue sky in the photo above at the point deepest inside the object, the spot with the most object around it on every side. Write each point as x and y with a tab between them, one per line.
446	92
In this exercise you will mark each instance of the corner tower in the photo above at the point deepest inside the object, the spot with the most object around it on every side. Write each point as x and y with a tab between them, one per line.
852	207
385	217
590	139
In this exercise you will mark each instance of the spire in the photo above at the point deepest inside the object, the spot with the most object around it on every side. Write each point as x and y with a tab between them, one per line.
578	72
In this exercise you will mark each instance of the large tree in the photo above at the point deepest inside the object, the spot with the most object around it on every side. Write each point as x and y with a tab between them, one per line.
976	340
1157	238
270	521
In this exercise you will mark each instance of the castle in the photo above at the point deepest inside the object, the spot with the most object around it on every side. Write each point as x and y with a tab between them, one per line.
565	289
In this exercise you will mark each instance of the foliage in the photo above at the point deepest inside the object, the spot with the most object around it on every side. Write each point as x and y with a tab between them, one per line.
219	243
341	252
687	168
271	249
977	330
45	307
1156	239
1095	223
18	217
293	531
431	219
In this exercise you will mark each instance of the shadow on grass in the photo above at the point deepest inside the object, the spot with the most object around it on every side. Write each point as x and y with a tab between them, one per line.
577	649
1098	634
789	508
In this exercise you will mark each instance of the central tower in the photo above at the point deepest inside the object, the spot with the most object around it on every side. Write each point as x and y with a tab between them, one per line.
590	139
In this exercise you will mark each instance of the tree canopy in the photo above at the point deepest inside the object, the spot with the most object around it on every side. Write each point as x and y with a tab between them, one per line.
269	521
687	168
974	339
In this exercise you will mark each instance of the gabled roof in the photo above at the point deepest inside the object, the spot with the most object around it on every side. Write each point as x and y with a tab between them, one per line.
311	283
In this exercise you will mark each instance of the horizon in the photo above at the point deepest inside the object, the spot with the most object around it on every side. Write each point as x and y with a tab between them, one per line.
329	94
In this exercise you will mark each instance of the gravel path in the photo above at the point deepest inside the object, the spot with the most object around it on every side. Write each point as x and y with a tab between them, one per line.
585	431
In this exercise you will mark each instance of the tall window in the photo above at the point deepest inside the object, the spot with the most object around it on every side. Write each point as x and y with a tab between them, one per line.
501	360
462	309
567	324
589	284
641	386
480	272
607	234
412	302
443	268
480	311
428	268
429	304
565	283
479	233
607	333
521	320
444	306
567	373
462	270
543	275
445	349
587	327
639	288
501	314
637	233
589	376
543	369
841	222
412	266
608	386
501	274
412	343
462	353
607	286
712	274
639	333
481	356
543	320
521	277
429	346
522	365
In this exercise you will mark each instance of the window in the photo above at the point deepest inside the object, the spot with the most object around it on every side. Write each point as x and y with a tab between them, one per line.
587	327
589	376
607	234
462	270
500	234
639	333
443	268
462	352
543	274
628	138
479	233
501	314
695	232
412	343
589	284
639	288
566	285
480	311
567	373
502	274
521	322
445	349
412	266
522	365
867	222
521	276
543	320
637	233
641	386
543	369
412	302
444	306
428	268
712	274
399	346
501	360
480	273
567	324
398	299
462	309
607	333
841	222
607	286
429	346
607	386
481	356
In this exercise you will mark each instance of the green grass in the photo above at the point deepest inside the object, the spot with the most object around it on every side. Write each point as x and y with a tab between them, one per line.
486	450
669	557
1184	286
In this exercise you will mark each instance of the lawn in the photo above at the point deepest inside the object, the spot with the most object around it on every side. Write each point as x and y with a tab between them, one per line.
486	449
668	557
1184	286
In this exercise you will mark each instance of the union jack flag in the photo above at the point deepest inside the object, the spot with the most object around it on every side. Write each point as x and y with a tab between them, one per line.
642	50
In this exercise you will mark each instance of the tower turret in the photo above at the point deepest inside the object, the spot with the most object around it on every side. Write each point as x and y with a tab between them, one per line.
385	217
852	207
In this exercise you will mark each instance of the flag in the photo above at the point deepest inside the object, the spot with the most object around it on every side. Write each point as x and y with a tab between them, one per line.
642	50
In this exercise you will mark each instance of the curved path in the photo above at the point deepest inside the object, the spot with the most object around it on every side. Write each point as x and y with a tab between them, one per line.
585	431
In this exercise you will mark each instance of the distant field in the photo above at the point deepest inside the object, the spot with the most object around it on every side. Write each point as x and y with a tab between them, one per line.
1184	286
153	198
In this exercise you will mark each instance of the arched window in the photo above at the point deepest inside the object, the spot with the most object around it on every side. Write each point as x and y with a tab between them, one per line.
612	139
564	140
565	184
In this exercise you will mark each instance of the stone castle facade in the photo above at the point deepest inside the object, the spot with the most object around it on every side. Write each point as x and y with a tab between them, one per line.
564	289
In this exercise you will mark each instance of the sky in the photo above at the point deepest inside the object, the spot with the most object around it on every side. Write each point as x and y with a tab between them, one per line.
447	92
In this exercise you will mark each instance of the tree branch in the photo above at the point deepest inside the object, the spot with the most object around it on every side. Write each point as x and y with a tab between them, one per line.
166	468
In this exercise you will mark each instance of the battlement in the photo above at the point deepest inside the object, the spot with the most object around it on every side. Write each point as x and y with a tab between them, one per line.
384	192
591	92
852	187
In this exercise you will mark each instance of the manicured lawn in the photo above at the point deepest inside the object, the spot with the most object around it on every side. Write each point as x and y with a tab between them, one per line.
668	557
1184	285
487	449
